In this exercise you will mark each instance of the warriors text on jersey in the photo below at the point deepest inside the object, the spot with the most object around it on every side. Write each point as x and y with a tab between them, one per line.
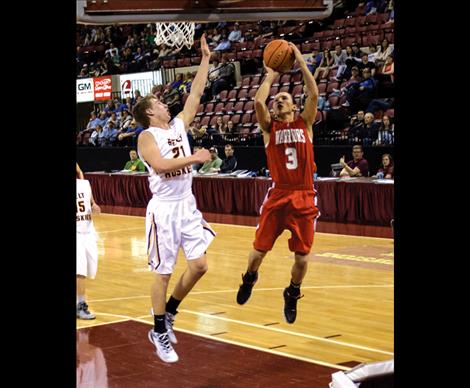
172	143
290	155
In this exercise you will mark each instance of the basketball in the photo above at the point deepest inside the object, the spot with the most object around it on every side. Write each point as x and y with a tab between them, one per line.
278	56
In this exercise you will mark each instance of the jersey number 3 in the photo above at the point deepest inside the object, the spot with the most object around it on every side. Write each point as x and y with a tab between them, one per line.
291	163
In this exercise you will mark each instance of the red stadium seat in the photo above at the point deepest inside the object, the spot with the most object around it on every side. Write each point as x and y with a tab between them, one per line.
223	95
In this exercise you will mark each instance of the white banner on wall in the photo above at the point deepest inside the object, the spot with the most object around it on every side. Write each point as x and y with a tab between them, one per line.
142	82
85	91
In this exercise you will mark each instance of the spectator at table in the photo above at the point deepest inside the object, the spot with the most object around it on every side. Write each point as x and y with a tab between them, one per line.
135	164
357	167
386	170
212	165
230	162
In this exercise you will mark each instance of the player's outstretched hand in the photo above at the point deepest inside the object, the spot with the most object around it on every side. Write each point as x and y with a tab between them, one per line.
204	46
298	55
202	155
270	72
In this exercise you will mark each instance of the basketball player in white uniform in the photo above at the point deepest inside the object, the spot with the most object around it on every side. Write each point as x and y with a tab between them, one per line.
87	250
173	220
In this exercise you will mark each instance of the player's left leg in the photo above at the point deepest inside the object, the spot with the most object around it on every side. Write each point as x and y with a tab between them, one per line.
82	306
301	223
292	292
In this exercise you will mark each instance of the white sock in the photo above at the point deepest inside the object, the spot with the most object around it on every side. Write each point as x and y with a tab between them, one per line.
80	298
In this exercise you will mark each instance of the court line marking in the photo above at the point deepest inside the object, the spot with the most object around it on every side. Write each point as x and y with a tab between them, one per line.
207	336
248	226
313	337
121	230
102	323
255	289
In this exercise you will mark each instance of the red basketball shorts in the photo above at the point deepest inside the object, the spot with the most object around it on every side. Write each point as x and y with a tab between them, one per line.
294	210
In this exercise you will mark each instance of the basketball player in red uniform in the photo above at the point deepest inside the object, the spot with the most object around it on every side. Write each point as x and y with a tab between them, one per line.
291	202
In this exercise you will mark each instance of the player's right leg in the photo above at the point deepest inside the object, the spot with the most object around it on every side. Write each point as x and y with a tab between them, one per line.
268	230
250	277
86	267
162	249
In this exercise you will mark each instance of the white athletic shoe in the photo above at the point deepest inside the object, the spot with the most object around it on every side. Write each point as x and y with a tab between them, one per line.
163	346
169	319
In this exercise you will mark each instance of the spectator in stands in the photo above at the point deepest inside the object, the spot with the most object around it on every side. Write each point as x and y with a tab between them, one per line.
340	58
356	127
164	51
388	70
96	137
214	39
230	127
223	45
325	65
157	91
135	164
212	165
226	78
129	136
229	163
386	170
84	72
220	127
102	118
356	167
365	64
126	119
372	53
93	121
185	87
385	132
370	129
115	119
236	34
113	53
379	104
384	51
171	97
356	52
178	81
355	78
359	95
314	61
110	134
137	96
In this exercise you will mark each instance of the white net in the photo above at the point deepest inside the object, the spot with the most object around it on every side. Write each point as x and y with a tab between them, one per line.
175	35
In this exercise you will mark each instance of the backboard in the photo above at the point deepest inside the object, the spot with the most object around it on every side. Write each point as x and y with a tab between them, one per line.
148	11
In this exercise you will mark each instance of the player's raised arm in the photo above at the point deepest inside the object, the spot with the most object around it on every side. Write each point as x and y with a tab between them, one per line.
197	86
310	110
262	111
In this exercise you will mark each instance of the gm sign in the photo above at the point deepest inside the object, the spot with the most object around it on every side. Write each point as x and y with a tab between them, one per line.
85	90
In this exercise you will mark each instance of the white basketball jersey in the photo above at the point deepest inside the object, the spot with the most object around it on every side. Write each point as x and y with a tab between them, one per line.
172	143
84	221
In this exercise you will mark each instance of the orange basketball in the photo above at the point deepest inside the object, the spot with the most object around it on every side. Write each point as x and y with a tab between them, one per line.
279	56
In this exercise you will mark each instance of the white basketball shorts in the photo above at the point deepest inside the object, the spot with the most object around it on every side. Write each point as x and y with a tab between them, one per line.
87	254
171	225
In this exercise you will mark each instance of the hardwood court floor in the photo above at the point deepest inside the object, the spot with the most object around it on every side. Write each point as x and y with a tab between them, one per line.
345	318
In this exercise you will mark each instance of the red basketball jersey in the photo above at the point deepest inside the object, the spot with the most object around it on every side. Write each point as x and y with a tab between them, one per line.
290	155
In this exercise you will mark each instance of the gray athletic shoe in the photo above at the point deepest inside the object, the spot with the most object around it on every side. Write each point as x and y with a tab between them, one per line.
169	320
83	312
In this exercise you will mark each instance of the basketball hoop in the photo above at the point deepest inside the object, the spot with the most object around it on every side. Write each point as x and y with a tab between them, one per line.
173	34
